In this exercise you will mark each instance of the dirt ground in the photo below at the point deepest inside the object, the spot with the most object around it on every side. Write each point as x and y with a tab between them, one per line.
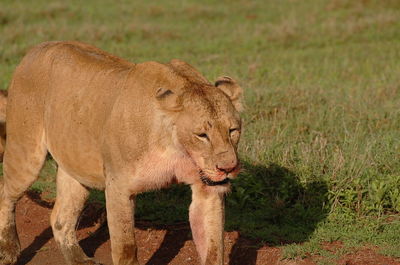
157	245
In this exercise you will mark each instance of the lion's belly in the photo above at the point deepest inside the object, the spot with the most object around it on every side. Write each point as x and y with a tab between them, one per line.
81	161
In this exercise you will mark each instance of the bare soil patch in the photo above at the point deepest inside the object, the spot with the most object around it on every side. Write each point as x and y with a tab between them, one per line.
157	245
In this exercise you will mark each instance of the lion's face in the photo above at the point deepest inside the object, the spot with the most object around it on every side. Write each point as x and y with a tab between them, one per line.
209	130
208	127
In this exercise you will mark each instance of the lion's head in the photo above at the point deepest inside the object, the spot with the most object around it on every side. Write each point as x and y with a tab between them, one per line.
206	122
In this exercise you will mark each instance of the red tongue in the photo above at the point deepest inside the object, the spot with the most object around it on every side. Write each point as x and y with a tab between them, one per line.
220	176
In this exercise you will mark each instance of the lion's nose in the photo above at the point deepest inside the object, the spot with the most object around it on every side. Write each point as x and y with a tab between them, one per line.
227	168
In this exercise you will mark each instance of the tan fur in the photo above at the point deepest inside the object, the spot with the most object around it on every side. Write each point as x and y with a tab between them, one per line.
123	127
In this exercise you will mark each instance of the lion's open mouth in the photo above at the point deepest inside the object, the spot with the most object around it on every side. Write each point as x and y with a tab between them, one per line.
206	180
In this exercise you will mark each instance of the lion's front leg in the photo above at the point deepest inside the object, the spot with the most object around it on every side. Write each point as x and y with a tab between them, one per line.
120	217
206	216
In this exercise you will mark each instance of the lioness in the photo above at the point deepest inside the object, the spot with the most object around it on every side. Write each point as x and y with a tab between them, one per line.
123	127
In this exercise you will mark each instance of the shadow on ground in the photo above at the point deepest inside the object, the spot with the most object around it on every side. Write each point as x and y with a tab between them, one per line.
270	205
267	205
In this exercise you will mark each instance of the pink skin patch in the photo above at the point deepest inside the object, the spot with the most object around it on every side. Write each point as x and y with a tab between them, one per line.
196	217
159	169
154	172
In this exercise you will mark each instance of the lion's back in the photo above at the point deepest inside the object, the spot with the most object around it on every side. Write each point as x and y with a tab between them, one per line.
66	88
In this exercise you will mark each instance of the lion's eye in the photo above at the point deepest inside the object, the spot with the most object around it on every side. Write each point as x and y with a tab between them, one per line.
233	130
234	133
202	136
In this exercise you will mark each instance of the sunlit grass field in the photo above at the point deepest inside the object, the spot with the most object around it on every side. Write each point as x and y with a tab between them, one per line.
321	138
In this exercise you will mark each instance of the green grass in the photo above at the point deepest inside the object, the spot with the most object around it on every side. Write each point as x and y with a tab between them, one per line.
46	183
322	125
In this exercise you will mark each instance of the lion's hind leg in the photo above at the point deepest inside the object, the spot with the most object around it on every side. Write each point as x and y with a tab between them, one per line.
71	198
24	157
9	243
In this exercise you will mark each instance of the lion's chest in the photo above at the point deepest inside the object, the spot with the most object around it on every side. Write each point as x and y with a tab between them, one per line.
159	169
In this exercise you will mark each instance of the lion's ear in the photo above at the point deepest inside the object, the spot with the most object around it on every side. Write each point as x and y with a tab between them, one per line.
231	88
168	99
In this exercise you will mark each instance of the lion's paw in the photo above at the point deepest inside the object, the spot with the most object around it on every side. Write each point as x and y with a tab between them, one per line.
9	252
